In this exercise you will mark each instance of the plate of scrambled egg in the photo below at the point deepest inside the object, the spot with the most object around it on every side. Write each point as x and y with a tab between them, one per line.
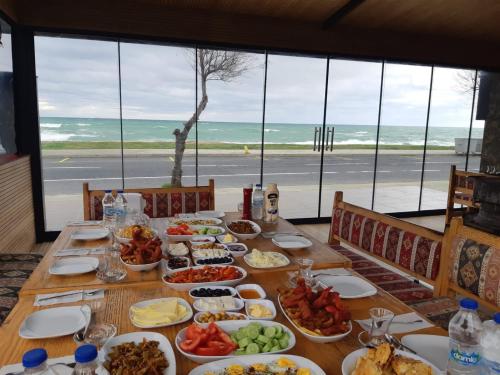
385	360
161	312
271	364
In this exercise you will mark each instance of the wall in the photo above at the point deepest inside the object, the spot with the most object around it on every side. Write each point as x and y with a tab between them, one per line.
17	225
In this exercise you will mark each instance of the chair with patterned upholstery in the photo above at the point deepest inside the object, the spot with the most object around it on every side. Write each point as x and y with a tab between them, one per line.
160	202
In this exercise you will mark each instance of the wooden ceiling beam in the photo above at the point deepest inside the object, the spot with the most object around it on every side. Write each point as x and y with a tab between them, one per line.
341	13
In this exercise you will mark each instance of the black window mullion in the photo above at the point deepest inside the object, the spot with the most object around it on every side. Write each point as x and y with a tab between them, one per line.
325	105
263	123
471	120
121	111
379	116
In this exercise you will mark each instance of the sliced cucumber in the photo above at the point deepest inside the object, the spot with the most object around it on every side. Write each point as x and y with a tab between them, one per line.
252	348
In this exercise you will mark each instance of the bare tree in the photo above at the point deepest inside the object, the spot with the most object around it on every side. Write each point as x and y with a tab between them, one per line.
467	82
212	65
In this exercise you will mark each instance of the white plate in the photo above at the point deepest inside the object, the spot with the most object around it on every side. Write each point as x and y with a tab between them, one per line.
210	214
232	290
265	302
349	362
243	236
137	337
54	322
238	305
247	360
291	242
187	286
74	266
89	234
189	311
248	261
314	338
348	286
230	326
433	348
198	314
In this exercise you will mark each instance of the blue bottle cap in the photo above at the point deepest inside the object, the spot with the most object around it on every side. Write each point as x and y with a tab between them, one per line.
468	303
496	318
85	353
34	358
107	191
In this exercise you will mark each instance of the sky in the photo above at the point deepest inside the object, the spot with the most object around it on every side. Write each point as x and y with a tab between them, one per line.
79	78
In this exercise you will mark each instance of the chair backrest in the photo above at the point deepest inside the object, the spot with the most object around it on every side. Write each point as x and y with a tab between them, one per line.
159	202
472	260
413	249
460	191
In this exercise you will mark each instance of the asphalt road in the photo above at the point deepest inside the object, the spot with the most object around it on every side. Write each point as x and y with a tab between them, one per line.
66	175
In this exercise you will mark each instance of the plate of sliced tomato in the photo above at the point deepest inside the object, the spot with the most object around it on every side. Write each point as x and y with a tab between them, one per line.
203	343
191	277
185	232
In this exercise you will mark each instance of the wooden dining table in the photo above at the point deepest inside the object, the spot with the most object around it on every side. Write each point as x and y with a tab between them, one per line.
41	281
116	311
140	286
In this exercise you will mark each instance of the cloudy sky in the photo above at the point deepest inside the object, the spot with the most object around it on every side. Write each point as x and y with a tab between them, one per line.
79	78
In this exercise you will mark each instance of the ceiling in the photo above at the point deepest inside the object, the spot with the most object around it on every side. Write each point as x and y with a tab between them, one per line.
449	32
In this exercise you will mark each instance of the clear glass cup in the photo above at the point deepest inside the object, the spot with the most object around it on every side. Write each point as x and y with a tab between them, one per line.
381	320
305	271
99	331
111	268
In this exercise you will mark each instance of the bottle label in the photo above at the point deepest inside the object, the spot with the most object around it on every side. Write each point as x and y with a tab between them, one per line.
109	211
464	358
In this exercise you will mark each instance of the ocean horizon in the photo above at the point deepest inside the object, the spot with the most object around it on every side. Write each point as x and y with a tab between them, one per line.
72	129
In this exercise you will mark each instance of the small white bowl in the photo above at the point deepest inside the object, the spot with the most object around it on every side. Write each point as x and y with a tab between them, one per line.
140	267
255	287
175	269
237	253
199	313
265	302
231	289
200	253
184	252
238	305
197	261
242	236
200	240
220	238
212	244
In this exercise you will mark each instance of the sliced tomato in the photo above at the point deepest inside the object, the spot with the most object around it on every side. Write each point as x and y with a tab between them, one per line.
190	345
225	338
207	351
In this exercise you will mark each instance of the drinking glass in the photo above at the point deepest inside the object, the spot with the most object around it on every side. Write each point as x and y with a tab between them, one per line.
99	331
111	268
381	320
305	266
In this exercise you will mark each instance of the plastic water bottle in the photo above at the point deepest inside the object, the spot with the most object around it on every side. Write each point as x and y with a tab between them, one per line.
120	208
490	346
465	333
35	362
86	360
108	214
257	202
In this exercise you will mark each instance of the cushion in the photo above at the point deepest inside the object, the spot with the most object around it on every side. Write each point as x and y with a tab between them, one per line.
161	204
406	249
476	267
15	269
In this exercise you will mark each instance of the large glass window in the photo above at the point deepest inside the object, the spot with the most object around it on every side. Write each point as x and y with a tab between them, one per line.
405	101
7	133
79	122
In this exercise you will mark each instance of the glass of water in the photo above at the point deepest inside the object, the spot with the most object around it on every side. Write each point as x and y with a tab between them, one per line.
381	320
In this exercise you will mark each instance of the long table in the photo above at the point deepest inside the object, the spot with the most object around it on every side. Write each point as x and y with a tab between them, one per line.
143	286
41	281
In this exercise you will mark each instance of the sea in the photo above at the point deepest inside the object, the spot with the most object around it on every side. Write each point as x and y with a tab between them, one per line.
71	129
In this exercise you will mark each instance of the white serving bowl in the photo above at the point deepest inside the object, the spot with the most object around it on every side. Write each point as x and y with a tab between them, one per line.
198	314
313	338
201	239
238	305
187	286
244	237
349	362
230	326
174	221
140	267
255	287
188	237
197	261
126	241
265	302
231	289
220	238
237	253
185	318
199	253
175	269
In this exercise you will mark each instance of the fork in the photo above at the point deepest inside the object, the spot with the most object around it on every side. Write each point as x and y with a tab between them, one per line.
83	293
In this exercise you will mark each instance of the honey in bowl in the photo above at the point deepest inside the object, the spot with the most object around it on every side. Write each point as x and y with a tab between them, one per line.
249	294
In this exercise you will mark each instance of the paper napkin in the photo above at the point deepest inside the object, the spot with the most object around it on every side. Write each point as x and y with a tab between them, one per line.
398	326
66	297
80	251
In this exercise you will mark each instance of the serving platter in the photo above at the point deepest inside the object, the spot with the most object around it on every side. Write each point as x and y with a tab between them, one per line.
142	304
247	258
54	322
137	337
188	286
245	236
206	221
188	237
247	360
73	266
349	362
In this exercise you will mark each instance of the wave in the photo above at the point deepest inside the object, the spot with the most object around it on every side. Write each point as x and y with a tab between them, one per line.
360	133
83	124
354	142
50	125
46	137
160	127
214	130
271	130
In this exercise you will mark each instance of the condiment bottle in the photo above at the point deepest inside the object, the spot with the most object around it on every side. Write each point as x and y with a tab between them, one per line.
247	202
271	198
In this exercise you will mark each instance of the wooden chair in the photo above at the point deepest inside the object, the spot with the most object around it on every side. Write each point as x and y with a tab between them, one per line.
460	191
160	202
471	265
409	247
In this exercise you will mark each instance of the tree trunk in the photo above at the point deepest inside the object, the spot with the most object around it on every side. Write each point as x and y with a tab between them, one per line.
182	135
